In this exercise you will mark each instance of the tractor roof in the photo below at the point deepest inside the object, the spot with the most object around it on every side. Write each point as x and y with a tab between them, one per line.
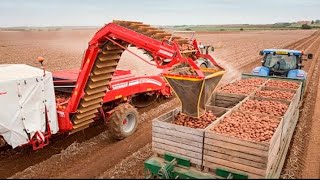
282	51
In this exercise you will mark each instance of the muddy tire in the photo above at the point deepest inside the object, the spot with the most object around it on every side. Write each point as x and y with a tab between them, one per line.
2	142
123	121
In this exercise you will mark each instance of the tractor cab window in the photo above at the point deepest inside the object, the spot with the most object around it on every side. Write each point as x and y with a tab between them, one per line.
280	62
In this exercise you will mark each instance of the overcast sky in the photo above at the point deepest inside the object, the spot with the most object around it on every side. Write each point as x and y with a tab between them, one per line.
156	12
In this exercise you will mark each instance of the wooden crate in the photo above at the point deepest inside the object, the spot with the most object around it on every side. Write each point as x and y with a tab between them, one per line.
225	100
276	169
293	106
257	159
228	100
288	80
272	88
179	140
238	155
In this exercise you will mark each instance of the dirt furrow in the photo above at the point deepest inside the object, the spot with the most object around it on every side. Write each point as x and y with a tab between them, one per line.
295	161
90	158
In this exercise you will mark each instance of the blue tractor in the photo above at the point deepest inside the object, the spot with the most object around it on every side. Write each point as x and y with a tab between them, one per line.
282	63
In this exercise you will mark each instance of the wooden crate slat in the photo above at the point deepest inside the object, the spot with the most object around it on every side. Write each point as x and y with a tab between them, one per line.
207	157
176	150
174	127
234	140
277	135
273	152
238	166
227	99
210	150
171	132
178	145
218	111
277	166
167	115
215	166
236	147
192	160
228	95
180	139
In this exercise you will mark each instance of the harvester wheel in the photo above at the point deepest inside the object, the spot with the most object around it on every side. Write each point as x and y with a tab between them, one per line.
2	141
124	121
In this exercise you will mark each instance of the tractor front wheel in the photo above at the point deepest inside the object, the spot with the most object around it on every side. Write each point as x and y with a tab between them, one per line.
123	121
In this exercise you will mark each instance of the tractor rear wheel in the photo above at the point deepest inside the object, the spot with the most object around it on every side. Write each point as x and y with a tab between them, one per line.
123	121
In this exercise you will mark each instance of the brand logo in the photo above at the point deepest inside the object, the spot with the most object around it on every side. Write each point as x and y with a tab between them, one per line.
3	93
61	113
165	53
135	82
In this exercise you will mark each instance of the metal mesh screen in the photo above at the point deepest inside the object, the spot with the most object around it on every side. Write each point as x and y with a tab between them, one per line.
188	92
194	94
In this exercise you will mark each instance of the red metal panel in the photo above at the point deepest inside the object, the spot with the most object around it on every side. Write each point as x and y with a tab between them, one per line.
130	86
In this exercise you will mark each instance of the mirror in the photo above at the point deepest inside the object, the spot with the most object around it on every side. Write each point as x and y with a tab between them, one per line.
212	49
310	56
261	53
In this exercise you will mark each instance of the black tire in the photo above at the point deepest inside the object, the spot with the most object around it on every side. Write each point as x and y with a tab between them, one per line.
123	113
203	65
2	142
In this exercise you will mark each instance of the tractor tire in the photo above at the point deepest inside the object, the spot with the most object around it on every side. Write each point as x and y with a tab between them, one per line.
123	121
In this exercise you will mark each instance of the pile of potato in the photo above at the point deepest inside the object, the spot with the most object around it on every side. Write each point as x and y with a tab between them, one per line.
276	94
183	69
185	47
62	99
282	84
272	108
197	123
243	86
237	89
251	81
248	127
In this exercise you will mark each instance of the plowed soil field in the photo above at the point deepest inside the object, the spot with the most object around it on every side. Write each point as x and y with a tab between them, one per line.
92	153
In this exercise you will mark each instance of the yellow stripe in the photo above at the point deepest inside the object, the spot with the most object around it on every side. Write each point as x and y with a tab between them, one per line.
220	73
183	78
201	91
173	90
209	70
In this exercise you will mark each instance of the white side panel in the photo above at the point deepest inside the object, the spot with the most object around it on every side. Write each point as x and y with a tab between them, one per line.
24	94
32	103
11	126
51	103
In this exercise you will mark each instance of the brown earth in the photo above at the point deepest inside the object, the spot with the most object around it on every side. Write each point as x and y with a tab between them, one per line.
92	153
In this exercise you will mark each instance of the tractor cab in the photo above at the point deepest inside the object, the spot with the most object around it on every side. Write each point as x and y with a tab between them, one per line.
282	63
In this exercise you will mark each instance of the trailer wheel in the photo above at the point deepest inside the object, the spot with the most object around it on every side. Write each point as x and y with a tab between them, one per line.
123	121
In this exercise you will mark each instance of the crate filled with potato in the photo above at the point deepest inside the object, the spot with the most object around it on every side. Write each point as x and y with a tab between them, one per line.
272	102
283	84
281	90
176	133
275	94
243	143
231	94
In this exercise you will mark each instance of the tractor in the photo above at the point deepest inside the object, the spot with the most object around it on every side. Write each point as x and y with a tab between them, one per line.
282	63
